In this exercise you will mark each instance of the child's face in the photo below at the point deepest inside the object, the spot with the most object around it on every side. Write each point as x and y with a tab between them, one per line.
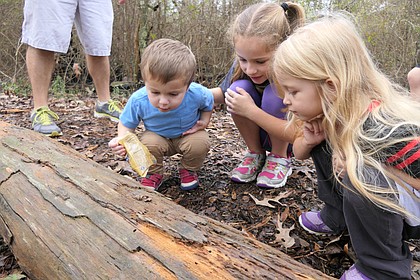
301	97
253	57
166	97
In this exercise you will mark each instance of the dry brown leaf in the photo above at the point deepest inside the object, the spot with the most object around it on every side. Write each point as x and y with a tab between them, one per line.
233	195
305	170
285	214
76	69
266	201
283	236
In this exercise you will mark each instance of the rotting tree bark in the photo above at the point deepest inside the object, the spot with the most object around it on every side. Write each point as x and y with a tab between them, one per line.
67	217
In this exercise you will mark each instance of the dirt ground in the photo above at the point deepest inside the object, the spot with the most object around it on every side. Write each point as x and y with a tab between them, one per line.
269	216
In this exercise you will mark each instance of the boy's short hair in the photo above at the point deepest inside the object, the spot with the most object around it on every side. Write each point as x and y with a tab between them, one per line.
167	60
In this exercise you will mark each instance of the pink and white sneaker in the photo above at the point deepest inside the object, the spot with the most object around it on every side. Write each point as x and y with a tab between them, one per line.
275	172
248	169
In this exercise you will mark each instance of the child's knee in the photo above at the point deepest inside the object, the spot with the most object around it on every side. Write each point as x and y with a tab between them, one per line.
156	144
155	149
245	84
196	146
249	87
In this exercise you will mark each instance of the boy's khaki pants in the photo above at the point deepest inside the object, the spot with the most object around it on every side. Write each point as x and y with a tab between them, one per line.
193	148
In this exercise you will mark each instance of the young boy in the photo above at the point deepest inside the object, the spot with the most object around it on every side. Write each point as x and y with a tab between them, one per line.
175	111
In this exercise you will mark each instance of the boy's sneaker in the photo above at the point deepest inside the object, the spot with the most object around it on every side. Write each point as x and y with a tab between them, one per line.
43	121
311	222
275	172
152	181
189	179
248	169
111	110
353	274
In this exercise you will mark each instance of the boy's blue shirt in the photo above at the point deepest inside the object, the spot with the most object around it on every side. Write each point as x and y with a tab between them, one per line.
167	124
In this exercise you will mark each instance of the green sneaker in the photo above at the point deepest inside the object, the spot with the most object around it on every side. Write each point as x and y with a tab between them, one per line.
110	110
43	121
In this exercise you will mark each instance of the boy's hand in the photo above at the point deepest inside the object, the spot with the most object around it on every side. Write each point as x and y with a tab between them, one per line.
116	147
200	125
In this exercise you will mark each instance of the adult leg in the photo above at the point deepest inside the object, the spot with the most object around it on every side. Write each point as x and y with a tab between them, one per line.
40	65
94	20
45	31
99	69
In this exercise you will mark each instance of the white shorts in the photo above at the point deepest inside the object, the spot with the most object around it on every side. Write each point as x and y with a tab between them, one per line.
48	24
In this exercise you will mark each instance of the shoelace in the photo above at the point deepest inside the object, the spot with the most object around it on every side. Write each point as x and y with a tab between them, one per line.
115	106
45	116
185	174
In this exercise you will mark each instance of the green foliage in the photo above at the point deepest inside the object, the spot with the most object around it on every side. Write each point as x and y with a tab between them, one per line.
391	30
19	88
58	86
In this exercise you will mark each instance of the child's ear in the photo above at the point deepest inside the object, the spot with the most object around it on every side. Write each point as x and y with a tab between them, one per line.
331	85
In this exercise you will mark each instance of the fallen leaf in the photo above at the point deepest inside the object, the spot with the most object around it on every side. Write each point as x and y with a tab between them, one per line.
283	236
266	201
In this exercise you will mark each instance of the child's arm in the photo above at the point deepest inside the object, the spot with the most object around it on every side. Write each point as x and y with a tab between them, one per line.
114	145
313	135
218	94
201	124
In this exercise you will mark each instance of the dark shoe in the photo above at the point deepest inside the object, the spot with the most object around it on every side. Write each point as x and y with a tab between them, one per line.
152	181
189	179
110	110
43	121
353	274
312	223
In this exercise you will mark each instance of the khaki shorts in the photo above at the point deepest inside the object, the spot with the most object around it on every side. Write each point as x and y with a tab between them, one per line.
48	25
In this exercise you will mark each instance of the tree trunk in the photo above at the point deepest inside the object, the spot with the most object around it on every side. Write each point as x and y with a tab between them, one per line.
67	217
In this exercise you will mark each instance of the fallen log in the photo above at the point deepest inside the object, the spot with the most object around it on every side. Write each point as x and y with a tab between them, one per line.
66	217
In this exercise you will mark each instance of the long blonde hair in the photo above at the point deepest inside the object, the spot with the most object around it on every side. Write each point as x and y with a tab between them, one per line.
269	21
331	53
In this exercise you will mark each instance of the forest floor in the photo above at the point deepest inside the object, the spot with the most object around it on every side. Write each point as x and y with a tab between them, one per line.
270	216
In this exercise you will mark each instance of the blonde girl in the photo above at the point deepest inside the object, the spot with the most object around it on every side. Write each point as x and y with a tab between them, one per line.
255	34
353	111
